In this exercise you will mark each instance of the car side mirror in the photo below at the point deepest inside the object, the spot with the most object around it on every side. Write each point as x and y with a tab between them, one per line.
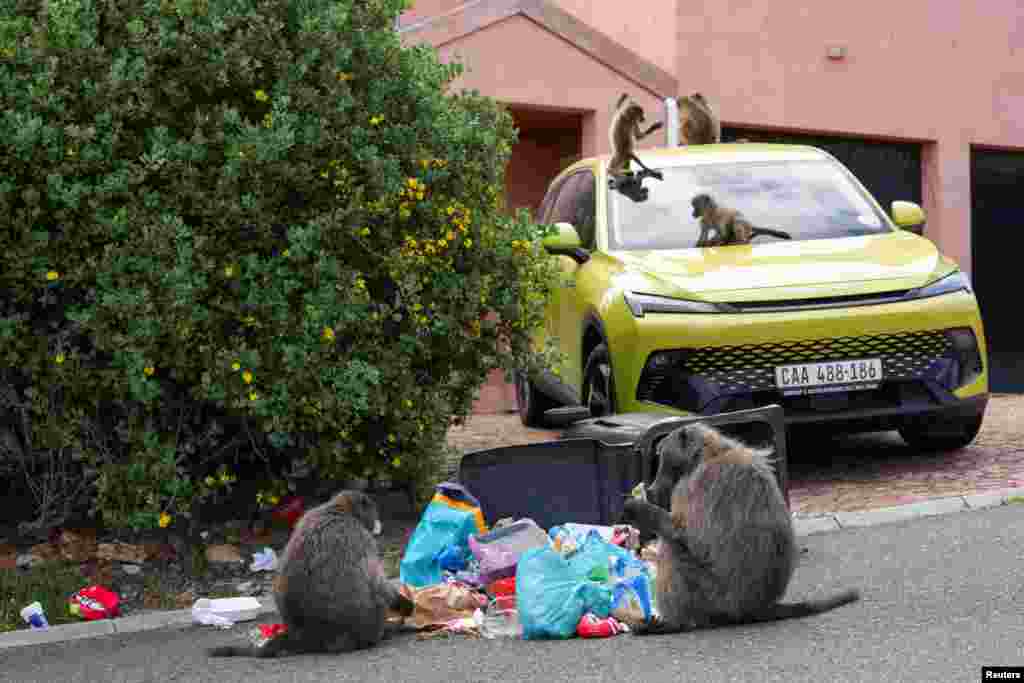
566	242
908	216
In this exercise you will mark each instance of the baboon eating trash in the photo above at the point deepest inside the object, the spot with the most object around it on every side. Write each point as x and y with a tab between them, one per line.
727	549
330	588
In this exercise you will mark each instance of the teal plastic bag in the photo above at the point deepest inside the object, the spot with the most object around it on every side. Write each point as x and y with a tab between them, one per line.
552	596
451	517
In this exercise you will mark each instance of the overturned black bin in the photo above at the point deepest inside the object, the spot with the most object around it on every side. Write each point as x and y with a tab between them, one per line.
585	476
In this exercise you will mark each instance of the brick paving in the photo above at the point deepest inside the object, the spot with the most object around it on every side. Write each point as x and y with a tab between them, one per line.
853	473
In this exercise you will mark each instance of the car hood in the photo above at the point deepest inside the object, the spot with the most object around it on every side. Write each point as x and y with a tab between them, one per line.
780	271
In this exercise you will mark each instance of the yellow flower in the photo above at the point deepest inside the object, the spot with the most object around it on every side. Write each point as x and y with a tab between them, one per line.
52	275
259	497
468	242
247	377
236	366
229	271
274	500
225	478
408	403
286	252
442	243
328	334
261	96
59	358
376	120
391	438
253	396
149	370
450	236
450	210
343	76
364	232
360	283
165	520
411	182
397	462
209	481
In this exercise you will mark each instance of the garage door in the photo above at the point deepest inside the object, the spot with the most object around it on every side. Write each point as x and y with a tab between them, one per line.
890	170
997	240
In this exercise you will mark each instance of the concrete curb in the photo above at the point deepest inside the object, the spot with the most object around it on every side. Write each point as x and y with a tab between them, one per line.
816	524
804	526
147	621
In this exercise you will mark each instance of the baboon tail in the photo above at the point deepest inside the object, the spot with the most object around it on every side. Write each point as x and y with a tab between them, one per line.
271	648
797	610
772	233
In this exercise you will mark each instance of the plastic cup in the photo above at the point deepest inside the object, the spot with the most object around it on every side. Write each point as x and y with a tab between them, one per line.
34	616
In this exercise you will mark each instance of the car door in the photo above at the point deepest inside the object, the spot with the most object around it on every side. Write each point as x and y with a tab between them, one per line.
575	205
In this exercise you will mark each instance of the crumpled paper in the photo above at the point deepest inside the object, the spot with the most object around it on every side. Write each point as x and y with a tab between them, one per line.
209	618
264	561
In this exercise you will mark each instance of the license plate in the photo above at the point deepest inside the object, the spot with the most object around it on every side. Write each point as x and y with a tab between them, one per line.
820	378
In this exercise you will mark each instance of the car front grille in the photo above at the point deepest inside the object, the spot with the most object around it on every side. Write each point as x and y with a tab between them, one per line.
690	378
751	367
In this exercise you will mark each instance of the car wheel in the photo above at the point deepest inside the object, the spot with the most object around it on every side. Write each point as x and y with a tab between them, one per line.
531	402
944	436
598	383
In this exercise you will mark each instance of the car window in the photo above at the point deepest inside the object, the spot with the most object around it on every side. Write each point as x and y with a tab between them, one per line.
546	204
806	199
576	204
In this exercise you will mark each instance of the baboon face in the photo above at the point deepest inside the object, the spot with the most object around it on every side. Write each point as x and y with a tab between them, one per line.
701	203
360	506
679	453
634	112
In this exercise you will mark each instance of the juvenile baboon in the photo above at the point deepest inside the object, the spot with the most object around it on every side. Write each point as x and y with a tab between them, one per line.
727	549
330	588
698	123
720	226
623	134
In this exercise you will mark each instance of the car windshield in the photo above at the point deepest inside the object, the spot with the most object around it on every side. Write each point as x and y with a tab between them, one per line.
808	199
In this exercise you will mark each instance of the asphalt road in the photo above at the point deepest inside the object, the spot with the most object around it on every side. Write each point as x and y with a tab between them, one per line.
942	597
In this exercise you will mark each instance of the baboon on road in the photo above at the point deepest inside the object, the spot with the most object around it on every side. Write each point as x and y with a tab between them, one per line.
331	589
727	549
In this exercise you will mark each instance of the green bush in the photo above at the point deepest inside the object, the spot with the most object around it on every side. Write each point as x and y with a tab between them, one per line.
250	226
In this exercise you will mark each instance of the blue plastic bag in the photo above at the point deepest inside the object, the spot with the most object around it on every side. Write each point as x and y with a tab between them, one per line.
552	596
451	517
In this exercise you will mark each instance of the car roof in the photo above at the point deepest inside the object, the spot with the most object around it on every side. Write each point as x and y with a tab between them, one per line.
687	155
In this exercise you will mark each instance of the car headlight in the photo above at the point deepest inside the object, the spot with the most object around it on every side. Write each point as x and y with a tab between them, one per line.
640	304
954	282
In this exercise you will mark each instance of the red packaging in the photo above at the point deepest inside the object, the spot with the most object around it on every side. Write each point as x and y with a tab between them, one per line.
591	626
290	510
505	602
271	630
95	602
503	587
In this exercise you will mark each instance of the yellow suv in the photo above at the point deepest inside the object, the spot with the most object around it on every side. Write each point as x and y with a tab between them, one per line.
855	323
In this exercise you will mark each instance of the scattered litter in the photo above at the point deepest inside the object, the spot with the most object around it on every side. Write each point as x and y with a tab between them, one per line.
567	538
501	622
289	511
452	516
552	594
470	626
131	569
499	551
264	561
626	536
438	605
266	632
35	617
224	612
95	602
592	626
453	558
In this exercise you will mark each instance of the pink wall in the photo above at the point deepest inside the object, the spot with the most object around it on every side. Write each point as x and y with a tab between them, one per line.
951	73
499	66
647	28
